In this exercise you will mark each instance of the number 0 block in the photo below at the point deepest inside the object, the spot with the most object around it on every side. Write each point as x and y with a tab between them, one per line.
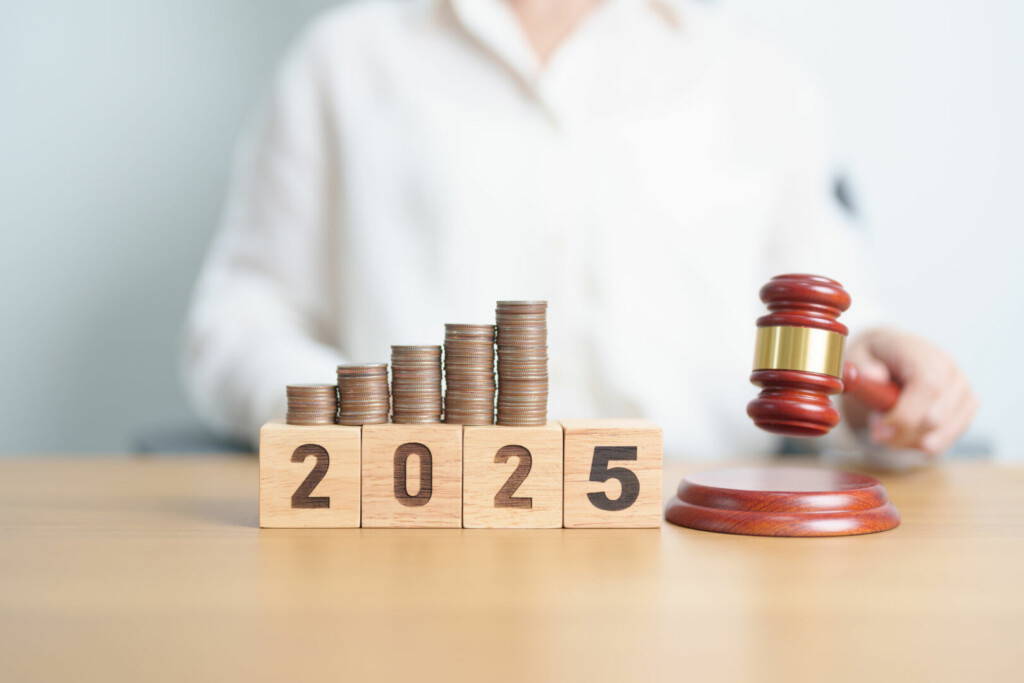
612	474
412	475
512	477
309	476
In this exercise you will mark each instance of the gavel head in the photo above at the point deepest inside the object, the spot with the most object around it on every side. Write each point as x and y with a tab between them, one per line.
799	356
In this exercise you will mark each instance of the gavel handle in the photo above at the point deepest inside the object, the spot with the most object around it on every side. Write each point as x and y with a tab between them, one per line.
880	396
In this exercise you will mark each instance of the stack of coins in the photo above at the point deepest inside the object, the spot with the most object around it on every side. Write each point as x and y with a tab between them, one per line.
522	363
469	374
312	404
416	384
363	394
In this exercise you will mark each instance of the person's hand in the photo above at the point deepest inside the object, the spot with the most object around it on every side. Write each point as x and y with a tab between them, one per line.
936	404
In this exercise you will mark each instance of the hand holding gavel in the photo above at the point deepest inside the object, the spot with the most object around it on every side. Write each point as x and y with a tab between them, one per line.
799	365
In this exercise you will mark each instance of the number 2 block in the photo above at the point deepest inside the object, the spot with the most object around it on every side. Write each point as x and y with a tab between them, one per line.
612	474
309	476
512	477
412	475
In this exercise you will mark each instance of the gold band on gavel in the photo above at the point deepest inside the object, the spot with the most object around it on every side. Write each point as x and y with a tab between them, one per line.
799	348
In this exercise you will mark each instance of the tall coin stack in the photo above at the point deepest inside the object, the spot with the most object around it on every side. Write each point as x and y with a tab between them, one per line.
522	363
363	394
312	404
416	384
469	374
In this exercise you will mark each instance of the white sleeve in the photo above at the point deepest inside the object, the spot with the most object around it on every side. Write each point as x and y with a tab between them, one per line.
259	316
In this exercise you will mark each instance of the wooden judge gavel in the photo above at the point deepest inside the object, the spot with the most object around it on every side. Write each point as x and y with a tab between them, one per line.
798	362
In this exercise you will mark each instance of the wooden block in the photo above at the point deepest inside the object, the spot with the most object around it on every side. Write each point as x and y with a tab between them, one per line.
612	474
412	475
309	476
512	477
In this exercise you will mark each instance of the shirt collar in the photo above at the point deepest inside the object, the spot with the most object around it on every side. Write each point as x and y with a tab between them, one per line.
494	24
671	11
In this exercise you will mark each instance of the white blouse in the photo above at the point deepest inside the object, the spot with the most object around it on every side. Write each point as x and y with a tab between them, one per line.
415	164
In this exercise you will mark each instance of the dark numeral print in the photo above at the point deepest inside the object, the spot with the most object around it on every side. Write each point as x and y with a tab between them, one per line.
504	498
426	489
301	497
600	472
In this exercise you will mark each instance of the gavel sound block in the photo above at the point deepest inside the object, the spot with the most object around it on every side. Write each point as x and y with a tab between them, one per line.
580	473
798	363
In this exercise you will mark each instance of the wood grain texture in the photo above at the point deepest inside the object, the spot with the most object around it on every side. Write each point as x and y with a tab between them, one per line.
390	450
154	569
609	463
283	473
484	479
782	501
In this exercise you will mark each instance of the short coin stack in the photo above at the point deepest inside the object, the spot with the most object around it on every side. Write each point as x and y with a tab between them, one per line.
469	374
522	363
363	394
416	384
312	404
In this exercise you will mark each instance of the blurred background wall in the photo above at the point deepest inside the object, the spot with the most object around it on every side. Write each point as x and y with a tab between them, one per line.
119	118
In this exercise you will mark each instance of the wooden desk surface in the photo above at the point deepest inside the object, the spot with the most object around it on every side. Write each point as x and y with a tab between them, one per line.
154	570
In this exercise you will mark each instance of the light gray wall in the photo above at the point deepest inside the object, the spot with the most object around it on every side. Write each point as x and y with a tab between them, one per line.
927	107
117	120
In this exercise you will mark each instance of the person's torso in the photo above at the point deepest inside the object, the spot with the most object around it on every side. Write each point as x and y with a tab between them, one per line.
632	192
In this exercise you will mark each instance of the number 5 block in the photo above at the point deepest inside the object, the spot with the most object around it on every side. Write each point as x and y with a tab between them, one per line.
612	474
309	476
512	477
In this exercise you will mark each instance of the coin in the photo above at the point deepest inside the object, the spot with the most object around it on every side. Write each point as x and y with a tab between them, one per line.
311	404
469	374
416	384
522	362
364	395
